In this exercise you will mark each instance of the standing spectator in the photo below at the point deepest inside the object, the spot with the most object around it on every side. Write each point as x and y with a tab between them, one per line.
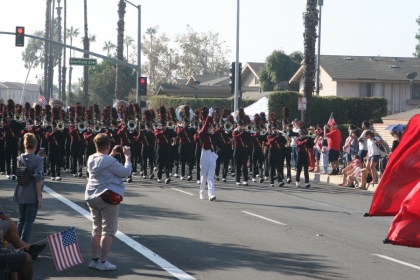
303	161
373	154
324	156
311	145
350	145
296	129
363	141
334	140
105	182
318	147
29	197
397	137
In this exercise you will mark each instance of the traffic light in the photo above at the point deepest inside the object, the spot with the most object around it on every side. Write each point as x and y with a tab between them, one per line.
143	86
232	78
240	77
20	36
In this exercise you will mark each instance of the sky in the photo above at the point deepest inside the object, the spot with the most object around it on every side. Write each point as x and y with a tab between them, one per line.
349	27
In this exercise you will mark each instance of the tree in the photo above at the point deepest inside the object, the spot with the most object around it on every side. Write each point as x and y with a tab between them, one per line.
297	57
71	33
417	52
108	46
64	69
86	42
91	38
152	31
202	53
32	56
128	41
47	45
310	36
120	49
278	67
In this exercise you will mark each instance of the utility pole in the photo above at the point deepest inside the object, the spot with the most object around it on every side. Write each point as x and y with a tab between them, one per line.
235	106
59	49
318	60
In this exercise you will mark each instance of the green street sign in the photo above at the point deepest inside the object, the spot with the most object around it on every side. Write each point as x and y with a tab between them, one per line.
83	61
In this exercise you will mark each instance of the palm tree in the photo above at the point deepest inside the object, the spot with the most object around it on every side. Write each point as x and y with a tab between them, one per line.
47	45
151	31
128	41
86	41
310	36
71	33
64	69
91	38
120	49
108	46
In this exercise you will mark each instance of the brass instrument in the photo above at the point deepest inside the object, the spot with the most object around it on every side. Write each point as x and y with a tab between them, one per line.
81	126
248	128
228	127
174	141
17	117
97	128
178	113
132	125
311	134
284	134
170	125
60	126
263	132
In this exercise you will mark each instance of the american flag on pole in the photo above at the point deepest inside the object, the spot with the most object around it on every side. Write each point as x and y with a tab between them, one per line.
41	97
65	249
331	121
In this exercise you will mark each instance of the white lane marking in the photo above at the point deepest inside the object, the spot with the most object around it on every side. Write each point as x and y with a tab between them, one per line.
255	215
175	189
324	204
398	261
178	273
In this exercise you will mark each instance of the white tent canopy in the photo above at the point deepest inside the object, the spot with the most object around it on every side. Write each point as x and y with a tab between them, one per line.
255	108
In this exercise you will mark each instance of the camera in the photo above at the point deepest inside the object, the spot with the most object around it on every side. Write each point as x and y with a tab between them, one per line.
119	149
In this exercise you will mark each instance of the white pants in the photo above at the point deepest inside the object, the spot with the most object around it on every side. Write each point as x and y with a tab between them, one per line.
208	167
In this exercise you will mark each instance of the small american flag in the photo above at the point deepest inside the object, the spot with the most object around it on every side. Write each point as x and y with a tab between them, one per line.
331	121
41	97
65	249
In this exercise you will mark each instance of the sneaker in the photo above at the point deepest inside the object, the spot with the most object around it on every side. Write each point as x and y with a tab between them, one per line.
176	175
2	173
13	177
141	173
79	174
182	177
9	177
223	179
134	173
272	185
198	182
124	179
129	180
93	263
52	178
298	184
239	183
151	176
217	178
155	169
289	180
159	180
254	180
281	184
261	180
105	266
144	177
245	183
189	178
202	197
212	198
170	174
307	185
58	178
168	180
233	174
265	178
74	175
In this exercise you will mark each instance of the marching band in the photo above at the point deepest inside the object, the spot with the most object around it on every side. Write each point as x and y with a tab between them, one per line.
171	141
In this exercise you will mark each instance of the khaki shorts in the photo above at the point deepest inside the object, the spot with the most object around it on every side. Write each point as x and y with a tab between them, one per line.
104	215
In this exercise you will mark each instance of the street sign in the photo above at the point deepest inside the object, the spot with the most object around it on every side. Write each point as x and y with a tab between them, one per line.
83	61
302	103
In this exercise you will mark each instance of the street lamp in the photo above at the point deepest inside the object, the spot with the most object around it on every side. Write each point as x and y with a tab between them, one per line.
138	50
320	3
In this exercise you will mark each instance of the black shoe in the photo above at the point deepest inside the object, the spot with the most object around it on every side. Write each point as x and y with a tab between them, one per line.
167	181
189	178
261	180
289	180
151	176
129	180
307	185
281	184
35	249
74	175
79	174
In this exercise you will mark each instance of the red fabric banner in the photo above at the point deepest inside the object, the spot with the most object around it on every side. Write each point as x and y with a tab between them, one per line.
401	175
405	228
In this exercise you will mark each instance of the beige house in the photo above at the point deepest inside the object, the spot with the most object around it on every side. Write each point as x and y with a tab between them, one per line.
10	90
364	76
249	74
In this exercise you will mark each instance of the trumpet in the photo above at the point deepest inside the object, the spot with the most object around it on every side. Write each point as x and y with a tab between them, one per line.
249	128
60	126
97	128
228	127
284	134
81	126
311	134
170	125
17	117
132	125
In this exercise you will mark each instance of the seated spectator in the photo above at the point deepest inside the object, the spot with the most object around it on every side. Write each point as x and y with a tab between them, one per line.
397	137
10	234
349	170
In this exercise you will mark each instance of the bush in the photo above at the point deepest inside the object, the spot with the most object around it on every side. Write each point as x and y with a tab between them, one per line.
158	100
353	110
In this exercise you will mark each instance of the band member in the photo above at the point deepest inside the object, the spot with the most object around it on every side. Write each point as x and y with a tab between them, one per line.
2	138
240	153
224	151
258	140
286	152
163	140
187	145
197	141
147	139
55	139
126	138
67	135
77	143
303	158
174	160
208	154
88	136
275	144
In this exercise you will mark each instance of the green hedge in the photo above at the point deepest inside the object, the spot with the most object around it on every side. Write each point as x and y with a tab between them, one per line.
353	110
158	100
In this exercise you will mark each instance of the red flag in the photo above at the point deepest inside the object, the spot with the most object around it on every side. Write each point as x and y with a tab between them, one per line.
401	174
405	228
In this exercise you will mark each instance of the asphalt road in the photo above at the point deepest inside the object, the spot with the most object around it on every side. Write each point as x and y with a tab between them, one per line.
249	232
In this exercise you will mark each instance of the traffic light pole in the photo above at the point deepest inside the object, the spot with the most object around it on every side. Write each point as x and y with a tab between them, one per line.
235	106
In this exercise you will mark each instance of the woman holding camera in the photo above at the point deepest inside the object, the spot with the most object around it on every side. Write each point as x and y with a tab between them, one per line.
104	192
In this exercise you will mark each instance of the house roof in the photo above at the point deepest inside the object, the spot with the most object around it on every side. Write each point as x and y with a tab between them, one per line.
403	116
177	81
199	91
19	86
252	67
341	67
200	78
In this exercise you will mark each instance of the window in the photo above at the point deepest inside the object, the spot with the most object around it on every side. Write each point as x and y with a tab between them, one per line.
365	90
416	92
257	82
